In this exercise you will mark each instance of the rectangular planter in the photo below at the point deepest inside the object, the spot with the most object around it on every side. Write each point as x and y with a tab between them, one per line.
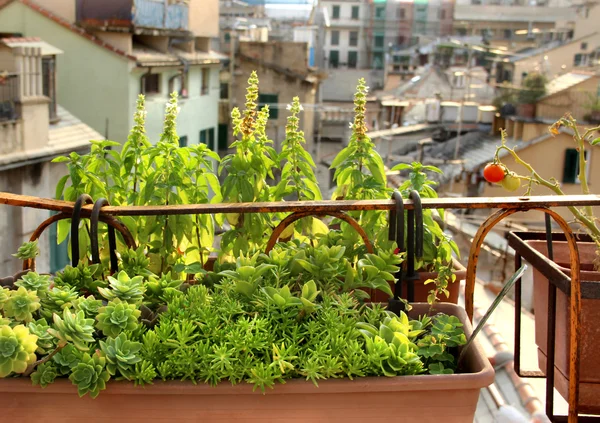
424	398
589	380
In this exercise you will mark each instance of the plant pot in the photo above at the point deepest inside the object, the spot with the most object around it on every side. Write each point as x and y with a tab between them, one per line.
422	290
422	398
526	110
589	379
595	116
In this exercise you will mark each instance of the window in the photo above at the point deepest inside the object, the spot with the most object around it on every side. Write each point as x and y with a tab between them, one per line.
379	41
400	13
352	59
580	59
334	58
442	14
227	38
335	14
571	167
271	100
380	12
151	83
584	46
401	40
353	41
224	91
207	136
458	80
378	60
49	83
183	141
507	34
355	11
204	90
335	38
178	83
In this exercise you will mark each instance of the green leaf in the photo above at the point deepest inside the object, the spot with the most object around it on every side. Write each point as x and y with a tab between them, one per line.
341	156
595	141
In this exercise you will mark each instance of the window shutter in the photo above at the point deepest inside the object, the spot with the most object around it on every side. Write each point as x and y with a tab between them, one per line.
570	168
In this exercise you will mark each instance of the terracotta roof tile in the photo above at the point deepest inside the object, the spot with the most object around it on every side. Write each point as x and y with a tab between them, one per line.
71	27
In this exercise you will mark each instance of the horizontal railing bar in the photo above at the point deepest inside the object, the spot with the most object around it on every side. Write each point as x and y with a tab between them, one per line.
522	203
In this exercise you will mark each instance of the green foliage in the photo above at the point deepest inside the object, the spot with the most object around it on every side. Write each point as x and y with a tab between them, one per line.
66	358
534	88
146	174
247	171
90	375
44	374
34	282
28	250
89	305
135	262
116	317
46	342
82	278
57	300
121	355
21	304
74	328
17	349
123	287
158	288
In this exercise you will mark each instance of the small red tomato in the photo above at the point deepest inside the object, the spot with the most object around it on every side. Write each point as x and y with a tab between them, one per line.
493	172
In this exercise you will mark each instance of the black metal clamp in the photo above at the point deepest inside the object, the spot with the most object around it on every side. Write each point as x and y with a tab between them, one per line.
75	219
414	243
396	233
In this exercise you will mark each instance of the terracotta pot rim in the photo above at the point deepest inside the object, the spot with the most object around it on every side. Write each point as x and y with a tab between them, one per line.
482	376
583	273
457	269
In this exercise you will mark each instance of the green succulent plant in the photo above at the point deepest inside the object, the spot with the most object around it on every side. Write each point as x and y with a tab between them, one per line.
21	304
17	349
89	305
116	317
144	373
58	299
90	375
35	282
46	342
121	355
73	327
4	294
156	288
82	278
127	289
135	262
44	374
27	250
66	359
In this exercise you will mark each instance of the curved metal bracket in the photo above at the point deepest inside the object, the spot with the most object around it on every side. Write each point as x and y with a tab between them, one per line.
575	298
112	242
299	215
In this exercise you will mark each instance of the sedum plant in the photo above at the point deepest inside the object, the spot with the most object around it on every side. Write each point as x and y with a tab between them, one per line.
73	328
21	304
121	355
44	374
123	287
90	375
17	349
29	250
57	300
34	282
116	317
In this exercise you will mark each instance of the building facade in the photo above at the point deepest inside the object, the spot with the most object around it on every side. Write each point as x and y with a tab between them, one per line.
115	51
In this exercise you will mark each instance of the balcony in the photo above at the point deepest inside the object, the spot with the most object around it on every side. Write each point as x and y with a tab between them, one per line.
165	15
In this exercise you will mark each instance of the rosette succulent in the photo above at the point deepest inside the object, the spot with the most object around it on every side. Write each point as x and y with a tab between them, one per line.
21	304
81	278
4	293
121	354
46	342
89	305
17	348
35	282
44	374
135	262
73	327
56	300
66	359
157	288
125	288
116	317
90	375
28	250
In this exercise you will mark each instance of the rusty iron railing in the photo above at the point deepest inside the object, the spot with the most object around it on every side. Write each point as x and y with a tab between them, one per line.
505	206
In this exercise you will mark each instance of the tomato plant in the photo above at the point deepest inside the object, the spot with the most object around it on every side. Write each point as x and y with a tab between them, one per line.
493	172
511	182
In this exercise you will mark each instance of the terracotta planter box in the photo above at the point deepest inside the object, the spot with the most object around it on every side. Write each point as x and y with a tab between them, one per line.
419	399
422	290
589	380
526	110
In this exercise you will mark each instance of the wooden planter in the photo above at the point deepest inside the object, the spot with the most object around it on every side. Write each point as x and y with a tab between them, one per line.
425	398
589	379
422	290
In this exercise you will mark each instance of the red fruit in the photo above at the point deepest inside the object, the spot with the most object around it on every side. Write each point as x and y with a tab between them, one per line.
493	172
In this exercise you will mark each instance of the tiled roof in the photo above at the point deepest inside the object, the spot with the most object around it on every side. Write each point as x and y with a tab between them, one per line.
47	49
147	56
70	26
566	81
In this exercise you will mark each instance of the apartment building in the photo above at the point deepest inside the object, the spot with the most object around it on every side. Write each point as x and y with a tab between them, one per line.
116	50
34	129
